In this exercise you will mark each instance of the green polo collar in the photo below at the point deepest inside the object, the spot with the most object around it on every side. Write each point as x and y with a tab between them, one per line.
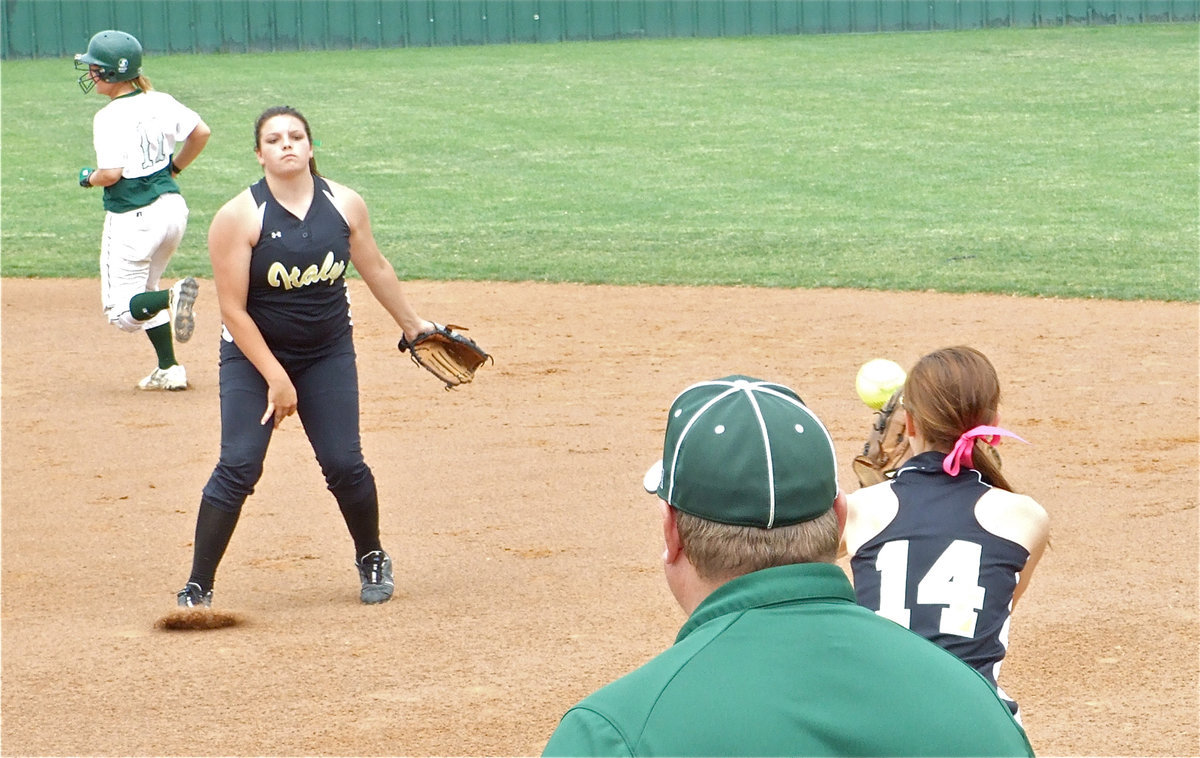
796	583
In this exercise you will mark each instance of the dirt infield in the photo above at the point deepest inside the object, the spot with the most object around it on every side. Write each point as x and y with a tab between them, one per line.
527	556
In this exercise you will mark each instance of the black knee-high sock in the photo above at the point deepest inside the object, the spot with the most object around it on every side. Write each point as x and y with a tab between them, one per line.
214	527
362	519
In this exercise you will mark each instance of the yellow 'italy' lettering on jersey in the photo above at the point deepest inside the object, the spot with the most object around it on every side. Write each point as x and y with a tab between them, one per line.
330	271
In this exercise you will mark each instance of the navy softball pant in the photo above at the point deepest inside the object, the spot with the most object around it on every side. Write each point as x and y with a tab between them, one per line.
327	403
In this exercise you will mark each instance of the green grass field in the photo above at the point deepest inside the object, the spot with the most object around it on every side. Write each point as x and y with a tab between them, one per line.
1055	162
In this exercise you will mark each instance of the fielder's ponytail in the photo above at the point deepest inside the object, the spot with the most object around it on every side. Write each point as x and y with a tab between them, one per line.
951	391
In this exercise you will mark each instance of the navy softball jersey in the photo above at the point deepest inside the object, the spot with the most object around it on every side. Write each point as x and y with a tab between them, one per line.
299	300
935	570
298	296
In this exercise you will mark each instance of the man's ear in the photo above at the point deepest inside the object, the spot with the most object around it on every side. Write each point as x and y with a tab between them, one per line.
839	508
673	545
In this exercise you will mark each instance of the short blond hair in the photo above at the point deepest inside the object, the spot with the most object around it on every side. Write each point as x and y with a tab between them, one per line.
724	551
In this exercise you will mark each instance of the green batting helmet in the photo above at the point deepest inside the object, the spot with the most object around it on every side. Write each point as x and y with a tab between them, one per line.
117	55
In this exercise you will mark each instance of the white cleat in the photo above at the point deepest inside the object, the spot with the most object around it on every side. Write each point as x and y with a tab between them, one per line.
172	379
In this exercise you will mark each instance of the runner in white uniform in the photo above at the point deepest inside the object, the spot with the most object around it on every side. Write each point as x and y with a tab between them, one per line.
135	137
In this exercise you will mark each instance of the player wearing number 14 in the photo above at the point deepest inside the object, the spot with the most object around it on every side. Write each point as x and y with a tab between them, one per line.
946	548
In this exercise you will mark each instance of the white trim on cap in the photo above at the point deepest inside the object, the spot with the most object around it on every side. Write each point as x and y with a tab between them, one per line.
762	426
690	422
808	412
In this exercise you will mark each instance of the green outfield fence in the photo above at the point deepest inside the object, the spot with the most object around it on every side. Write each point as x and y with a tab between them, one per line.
58	28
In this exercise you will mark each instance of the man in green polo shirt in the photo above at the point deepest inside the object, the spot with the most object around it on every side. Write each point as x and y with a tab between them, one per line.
776	658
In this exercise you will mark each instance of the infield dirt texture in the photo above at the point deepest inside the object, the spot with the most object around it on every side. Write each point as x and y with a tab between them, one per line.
527	555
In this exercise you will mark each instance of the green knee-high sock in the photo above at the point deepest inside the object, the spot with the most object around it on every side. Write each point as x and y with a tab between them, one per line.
164	345
145	304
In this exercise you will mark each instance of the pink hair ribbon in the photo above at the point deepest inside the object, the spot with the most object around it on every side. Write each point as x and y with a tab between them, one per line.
964	448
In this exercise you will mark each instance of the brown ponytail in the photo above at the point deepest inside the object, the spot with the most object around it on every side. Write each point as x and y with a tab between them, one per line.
951	391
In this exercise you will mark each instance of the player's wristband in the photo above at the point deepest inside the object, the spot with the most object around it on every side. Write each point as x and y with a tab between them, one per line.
175	169
85	175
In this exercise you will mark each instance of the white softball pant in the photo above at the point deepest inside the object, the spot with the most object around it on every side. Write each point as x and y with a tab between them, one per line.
134	252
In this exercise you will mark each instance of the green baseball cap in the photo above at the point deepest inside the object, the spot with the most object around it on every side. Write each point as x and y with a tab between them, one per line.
743	451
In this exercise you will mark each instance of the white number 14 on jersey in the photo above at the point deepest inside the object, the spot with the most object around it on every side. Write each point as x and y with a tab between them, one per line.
952	581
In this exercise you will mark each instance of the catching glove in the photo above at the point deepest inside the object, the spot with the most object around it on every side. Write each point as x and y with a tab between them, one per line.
447	354
887	445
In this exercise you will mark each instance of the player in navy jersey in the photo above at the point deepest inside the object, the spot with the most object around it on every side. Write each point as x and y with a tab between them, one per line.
946	548
279	253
